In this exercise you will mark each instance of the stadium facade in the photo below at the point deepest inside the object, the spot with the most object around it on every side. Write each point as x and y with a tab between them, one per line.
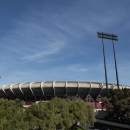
30	92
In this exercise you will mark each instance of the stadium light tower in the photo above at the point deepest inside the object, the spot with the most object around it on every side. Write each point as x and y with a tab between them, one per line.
111	37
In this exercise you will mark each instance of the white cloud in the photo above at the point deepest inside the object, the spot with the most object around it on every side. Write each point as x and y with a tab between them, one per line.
77	68
55	48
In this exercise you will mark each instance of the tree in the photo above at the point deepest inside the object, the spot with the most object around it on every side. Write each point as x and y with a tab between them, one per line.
120	102
59	112
44	116
12	115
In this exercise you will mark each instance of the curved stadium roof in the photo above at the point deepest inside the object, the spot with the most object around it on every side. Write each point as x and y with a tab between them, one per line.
56	88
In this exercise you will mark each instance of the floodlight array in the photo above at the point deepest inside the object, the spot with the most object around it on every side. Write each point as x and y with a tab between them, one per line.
107	36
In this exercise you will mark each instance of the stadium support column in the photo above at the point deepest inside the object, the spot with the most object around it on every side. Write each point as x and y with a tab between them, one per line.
105	67
115	65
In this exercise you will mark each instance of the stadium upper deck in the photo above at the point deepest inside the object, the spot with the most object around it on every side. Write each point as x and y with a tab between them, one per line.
48	89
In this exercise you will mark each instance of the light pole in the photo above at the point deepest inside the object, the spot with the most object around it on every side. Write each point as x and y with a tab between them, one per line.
111	37
105	67
104	64
115	65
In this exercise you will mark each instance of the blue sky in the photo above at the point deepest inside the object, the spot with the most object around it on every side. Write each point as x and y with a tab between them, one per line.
51	40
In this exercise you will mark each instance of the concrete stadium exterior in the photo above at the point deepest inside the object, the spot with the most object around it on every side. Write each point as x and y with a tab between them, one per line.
48	89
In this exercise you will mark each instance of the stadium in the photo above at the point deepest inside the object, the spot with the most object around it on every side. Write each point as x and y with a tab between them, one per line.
31	92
